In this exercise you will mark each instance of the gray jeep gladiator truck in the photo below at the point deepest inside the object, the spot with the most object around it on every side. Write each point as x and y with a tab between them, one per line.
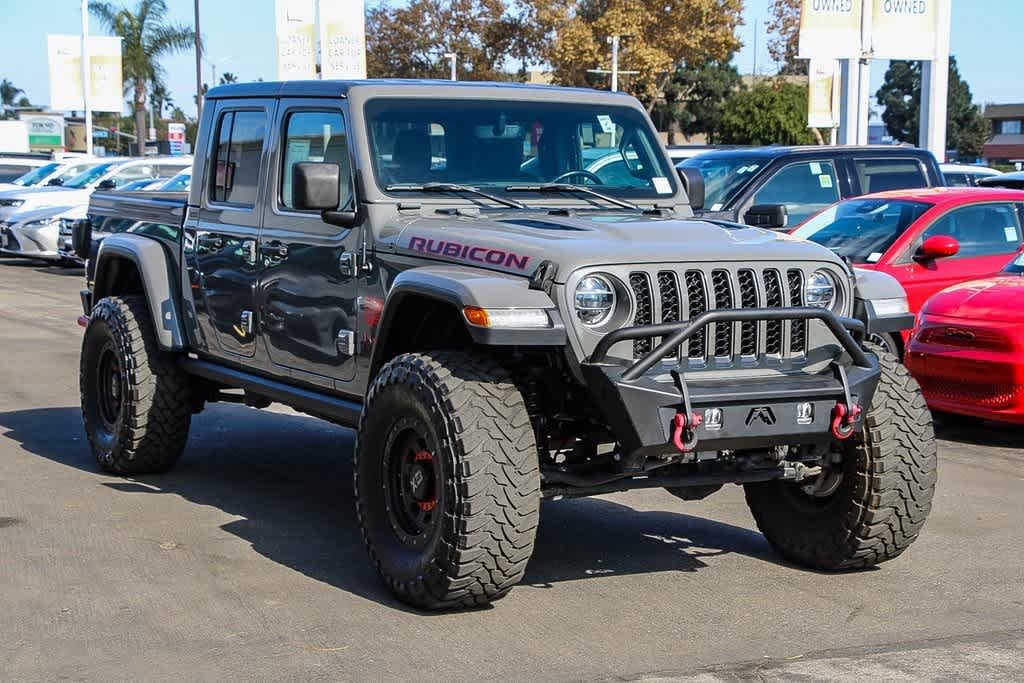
444	268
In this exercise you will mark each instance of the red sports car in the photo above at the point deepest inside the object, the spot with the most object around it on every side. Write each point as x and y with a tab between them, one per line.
968	349
928	239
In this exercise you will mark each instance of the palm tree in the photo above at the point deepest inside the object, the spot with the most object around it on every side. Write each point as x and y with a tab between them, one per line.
146	35
160	98
228	77
8	94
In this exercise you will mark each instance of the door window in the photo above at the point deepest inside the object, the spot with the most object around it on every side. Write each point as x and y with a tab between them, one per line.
981	230
318	137
879	175
805	188
957	179
132	173
239	150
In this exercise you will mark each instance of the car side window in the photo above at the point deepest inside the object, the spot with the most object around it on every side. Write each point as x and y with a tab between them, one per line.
981	229
317	136
236	175
879	175
805	188
957	179
132	173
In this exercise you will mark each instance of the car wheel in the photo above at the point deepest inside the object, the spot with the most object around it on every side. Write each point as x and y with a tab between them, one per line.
887	342
447	484
872	499
136	404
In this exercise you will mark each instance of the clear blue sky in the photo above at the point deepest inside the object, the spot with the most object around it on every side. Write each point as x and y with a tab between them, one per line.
240	38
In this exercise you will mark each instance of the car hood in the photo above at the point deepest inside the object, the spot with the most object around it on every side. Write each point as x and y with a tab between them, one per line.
995	299
519	241
34	197
39	213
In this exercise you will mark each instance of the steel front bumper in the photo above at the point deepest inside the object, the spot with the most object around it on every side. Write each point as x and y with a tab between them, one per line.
641	401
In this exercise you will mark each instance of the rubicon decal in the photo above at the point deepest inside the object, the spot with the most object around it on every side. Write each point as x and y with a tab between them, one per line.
469	252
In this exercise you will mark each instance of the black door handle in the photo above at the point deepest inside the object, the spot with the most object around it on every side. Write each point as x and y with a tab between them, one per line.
274	249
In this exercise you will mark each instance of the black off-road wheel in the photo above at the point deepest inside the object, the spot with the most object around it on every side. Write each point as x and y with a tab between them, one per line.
136	404
872	500
447	484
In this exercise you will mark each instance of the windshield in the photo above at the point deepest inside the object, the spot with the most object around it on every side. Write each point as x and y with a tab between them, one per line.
179	183
36	176
724	177
862	230
496	144
88	177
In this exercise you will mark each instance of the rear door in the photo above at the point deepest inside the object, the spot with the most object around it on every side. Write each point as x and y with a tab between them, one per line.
989	234
308	289
879	174
221	246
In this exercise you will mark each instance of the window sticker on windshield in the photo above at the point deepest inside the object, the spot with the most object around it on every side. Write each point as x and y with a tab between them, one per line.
873	257
1019	261
606	123
816	168
661	185
716	207
1011	233
825	180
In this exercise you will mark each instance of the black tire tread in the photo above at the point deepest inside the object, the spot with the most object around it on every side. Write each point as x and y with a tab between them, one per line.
496	476
159	411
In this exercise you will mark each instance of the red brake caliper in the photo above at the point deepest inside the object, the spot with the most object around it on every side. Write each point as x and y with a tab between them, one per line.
430	503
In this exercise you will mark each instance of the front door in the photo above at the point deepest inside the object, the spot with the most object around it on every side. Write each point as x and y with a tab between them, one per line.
308	290
221	242
989	234
803	187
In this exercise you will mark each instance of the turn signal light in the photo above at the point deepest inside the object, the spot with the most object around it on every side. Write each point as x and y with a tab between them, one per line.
507	318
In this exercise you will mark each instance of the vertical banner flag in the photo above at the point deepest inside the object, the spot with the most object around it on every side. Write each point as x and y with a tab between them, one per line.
106	86
296	39
830	29
904	29
823	95
342	39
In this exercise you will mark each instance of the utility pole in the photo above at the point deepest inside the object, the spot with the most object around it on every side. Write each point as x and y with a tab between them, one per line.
614	40
213	75
86	73
755	49
199	66
452	57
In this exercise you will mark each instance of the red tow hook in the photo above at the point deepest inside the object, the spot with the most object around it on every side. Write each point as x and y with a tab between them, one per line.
83	321
684	436
844	419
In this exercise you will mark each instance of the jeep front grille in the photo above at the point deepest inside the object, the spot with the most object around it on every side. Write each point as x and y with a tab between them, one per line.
685	294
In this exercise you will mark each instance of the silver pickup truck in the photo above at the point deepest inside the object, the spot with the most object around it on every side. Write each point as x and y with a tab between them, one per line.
504	290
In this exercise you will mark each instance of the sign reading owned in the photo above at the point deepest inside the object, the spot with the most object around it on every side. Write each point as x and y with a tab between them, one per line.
830	29
891	29
904	29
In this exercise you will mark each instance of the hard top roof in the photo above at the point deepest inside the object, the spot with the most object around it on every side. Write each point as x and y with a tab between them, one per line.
316	88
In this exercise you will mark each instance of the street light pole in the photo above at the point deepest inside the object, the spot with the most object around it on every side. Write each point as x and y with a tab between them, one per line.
452	57
86	82
614	40
199	67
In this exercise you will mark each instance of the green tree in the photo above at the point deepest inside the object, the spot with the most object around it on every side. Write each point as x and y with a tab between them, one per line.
771	112
146	36
900	94
695	98
228	77
160	98
8	95
784	29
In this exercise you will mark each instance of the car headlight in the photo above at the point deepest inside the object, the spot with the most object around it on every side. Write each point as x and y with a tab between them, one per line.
594	300
42	222
821	289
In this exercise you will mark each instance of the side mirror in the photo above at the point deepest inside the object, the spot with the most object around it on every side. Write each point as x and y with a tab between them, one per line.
81	238
316	186
771	216
55	182
693	181
936	247
107	184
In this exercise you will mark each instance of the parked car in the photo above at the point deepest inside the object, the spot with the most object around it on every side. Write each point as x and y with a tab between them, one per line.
968	350
965	175
928	239
1013	180
776	187
34	233
143	184
13	166
55	172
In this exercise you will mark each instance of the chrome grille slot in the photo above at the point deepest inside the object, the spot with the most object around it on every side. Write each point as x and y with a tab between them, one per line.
723	299
798	328
668	290
641	286
773	299
748	299
697	299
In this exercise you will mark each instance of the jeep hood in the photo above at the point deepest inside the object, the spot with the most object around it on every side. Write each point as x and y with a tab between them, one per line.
517	242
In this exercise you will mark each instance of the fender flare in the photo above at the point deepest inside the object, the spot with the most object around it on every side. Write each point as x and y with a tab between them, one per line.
460	286
158	282
873	286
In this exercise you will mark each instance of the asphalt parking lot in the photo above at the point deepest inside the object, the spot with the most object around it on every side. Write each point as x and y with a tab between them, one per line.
245	562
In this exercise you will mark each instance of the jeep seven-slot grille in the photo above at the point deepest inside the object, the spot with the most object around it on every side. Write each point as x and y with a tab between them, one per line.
671	296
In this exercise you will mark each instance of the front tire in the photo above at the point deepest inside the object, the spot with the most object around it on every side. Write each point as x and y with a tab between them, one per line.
136	404
447	484
873	503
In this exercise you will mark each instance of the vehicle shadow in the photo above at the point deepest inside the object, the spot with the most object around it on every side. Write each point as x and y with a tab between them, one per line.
42	266
289	480
982	433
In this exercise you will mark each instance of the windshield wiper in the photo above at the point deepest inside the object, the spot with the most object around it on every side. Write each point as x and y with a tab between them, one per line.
569	187
454	187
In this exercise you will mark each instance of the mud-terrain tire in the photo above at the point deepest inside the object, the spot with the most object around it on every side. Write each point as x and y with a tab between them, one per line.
136	404
888	475
447	484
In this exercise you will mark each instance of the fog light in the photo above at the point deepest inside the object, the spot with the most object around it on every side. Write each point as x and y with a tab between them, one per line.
804	413
713	419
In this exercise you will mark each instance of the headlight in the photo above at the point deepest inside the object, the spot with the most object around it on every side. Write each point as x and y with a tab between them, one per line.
594	300
42	222
820	290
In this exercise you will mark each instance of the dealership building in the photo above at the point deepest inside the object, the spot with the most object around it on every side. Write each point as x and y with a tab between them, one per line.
1007	142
